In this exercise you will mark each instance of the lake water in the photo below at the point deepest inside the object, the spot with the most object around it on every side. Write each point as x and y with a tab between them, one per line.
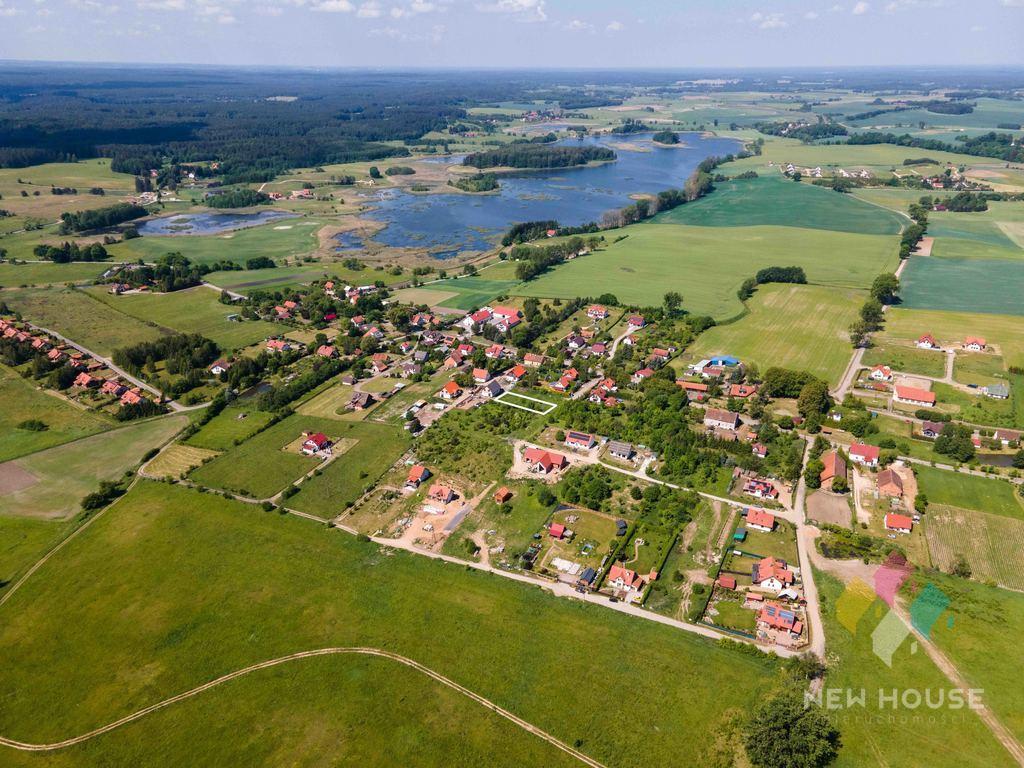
208	223
448	224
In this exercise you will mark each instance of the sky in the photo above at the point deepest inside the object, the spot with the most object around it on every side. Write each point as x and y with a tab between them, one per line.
517	33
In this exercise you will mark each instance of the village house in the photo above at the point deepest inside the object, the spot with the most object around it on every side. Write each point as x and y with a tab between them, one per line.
1006	437
881	373
282	313
495	352
717	418
379	362
515	374
760	488
278	345
442	494
658	356
533	360
326	350
835	466
502	495
622	579
776	617
85	381
742	391
481	375
410	369
506	318
597	312
927	341
760	520
898	523
598	349
422	320
760	450
450	391
1000	390
219	367
558	531
542	462
113	387
889	484
316	443
974	344
914	396
772	574
55	356
417	474
642	375
931	429
636	322
132	397
575	342
492	388
360	401
579	440
861	453
620	450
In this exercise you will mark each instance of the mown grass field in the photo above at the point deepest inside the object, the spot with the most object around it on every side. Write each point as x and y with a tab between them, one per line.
77	315
177	460
62	476
950	328
82	176
260	467
708	264
993	545
981	641
45	273
955	489
798	327
274	585
907	359
937	738
195	310
378	447
22	401
270	240
470	292
979	409
772	199
238	422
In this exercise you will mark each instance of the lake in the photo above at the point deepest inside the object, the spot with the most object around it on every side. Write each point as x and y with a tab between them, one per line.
448	224
208	223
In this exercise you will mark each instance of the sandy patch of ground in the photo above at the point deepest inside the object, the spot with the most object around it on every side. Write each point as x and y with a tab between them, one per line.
283	226
913	381
826	507
924	248
423	296
14	477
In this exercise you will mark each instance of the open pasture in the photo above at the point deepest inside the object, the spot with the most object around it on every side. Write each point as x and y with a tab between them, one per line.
955	489
800	327
234	424
708	264
470	292
43	273
992	545
950	328
964	285
276	585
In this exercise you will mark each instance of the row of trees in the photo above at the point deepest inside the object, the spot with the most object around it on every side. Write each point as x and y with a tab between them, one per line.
537	156
100	218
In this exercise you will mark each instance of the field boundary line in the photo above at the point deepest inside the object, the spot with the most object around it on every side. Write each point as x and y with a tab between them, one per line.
404	660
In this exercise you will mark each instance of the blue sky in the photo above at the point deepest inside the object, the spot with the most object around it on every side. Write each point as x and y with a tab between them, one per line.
517	33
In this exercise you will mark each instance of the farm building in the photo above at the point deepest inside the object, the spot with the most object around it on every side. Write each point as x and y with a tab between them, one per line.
889	483
914	396
316	442
835	466
899	523
717	418
620	450
861	453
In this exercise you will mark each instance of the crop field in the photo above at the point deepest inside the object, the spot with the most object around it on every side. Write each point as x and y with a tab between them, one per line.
276	585
470	292
50	484
955	489
964	285
42	273
950	328
83	176
194	310
22	401
236	423
988	113
956	739
269	240
907	359
178	460
774	200
330	404
708	264
992	545
800	327
260	466
982	639
378	446
80	317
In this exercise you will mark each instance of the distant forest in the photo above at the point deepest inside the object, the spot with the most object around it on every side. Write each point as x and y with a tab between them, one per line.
537	156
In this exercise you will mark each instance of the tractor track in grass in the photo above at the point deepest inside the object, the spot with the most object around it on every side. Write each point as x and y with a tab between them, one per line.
404	660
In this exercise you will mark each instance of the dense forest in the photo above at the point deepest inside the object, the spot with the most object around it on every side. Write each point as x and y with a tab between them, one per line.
537	156
999	145
99	218
237	198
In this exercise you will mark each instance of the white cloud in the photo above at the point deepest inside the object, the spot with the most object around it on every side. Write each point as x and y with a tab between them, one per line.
524	10
434	35
578	25
333	6
1012	3
422	6
6	10
768	20
615	26
977	28
811	15
861	8
162	5
370	10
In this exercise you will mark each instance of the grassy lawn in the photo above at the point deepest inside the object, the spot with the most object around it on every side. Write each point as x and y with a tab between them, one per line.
514	530
708	264
260	466
22	401
45	273
950	328
269	240
136	630
378	447
969	492
60	477
981	409
937	738
907	359
986	627
798	327
80	317
773	199
235	423
780	543
470	292
195	310
732	615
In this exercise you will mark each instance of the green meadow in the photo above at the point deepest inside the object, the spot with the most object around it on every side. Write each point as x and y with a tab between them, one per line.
963	285
708	264
471	292
772	199
173	588
194	310
950	328
800	327
23	402
41	273
955	489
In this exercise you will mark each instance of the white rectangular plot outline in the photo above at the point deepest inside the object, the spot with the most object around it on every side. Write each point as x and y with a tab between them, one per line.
550	406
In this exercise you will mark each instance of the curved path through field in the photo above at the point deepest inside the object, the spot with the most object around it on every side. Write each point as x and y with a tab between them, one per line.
526	726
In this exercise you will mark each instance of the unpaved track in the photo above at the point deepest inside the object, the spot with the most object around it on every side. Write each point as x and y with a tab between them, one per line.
526	726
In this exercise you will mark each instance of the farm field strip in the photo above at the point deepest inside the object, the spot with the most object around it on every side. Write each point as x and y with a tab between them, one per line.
992	545
504	400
